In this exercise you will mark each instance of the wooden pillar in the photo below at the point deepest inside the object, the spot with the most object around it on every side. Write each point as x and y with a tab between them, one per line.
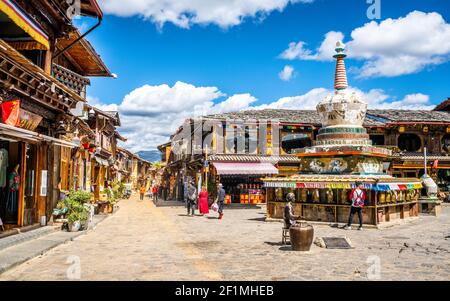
42	164
48	62
21	197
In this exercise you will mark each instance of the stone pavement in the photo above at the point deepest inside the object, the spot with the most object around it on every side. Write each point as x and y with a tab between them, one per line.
145	242
16	239
19	248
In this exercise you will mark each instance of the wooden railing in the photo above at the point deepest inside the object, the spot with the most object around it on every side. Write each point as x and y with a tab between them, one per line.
71	79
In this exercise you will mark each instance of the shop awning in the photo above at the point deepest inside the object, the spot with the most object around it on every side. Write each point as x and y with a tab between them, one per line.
21	19
30	136
101	161
245	168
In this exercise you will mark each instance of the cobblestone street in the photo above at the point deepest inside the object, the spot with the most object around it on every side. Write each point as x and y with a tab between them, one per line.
144	242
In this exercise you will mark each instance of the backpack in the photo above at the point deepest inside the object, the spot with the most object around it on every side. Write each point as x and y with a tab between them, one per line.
357	197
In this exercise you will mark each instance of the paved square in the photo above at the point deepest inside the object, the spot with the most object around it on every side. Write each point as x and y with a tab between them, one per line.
144	242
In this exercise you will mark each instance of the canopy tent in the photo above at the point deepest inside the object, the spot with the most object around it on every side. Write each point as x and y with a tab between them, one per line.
245	168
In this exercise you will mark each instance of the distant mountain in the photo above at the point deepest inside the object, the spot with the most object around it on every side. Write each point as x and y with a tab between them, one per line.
151	155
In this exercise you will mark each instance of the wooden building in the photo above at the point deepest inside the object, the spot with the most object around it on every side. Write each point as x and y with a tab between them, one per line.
42	80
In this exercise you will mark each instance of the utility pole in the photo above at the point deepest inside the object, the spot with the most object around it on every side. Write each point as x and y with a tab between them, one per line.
206	167
425	159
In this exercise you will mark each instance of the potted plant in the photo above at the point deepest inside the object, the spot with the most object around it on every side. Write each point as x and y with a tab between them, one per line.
77	213
112	200
77	216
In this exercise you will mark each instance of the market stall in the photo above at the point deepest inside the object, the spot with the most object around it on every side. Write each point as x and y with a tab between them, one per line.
325	198
242	181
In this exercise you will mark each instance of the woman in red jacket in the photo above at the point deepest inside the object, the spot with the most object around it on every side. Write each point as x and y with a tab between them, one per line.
203	201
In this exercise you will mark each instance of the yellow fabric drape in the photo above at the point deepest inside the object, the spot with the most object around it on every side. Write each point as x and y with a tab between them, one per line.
7	7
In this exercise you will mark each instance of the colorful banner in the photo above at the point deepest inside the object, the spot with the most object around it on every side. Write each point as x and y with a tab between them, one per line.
11	112
22	20
339	185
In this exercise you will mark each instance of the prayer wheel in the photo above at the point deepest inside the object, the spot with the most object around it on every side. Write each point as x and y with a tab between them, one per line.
382	197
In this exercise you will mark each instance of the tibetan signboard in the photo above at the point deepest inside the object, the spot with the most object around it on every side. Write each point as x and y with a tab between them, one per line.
13	115
28	120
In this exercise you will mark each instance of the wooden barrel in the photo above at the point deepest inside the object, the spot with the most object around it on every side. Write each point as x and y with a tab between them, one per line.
301	235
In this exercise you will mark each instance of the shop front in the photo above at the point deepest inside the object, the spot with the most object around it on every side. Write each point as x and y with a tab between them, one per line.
24	176
325	198
242	181
99	176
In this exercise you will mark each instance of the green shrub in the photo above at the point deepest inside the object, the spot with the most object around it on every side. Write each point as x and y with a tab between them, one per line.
75	201
79	196
81	216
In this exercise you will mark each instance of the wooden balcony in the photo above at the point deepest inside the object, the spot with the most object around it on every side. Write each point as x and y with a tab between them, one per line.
71	79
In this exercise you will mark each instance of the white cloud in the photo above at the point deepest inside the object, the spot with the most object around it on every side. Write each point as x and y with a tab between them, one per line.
325	51
224	13
306	101
375	98
390	48
378	100
150	114
151	100
287	73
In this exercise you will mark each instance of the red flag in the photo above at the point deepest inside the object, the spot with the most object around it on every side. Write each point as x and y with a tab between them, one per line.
10	112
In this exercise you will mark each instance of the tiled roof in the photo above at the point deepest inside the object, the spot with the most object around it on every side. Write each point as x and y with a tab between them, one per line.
254	158
411	115
294	116
420	157
443	106
373	117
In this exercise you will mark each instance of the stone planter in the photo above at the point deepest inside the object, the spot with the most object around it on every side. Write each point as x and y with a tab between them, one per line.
110	208
105	208
75	226
301	235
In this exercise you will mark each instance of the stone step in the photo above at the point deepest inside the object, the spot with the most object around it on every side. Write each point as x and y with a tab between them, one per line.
22	237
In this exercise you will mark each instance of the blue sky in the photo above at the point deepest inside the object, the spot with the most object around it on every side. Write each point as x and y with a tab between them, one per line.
239	52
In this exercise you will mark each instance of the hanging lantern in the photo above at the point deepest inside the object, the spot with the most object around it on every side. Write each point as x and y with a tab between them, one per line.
448	129
401	129
425	129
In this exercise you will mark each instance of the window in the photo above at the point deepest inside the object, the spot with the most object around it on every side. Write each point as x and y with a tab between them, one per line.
241	140
409	142
291	142
446	143
377	139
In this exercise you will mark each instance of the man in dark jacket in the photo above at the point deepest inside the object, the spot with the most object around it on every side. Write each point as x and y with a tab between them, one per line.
191	198
220	199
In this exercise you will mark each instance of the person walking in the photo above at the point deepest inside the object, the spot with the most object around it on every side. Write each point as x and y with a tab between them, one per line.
203	201
191	198
155	192
220	200
142	192
357	197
